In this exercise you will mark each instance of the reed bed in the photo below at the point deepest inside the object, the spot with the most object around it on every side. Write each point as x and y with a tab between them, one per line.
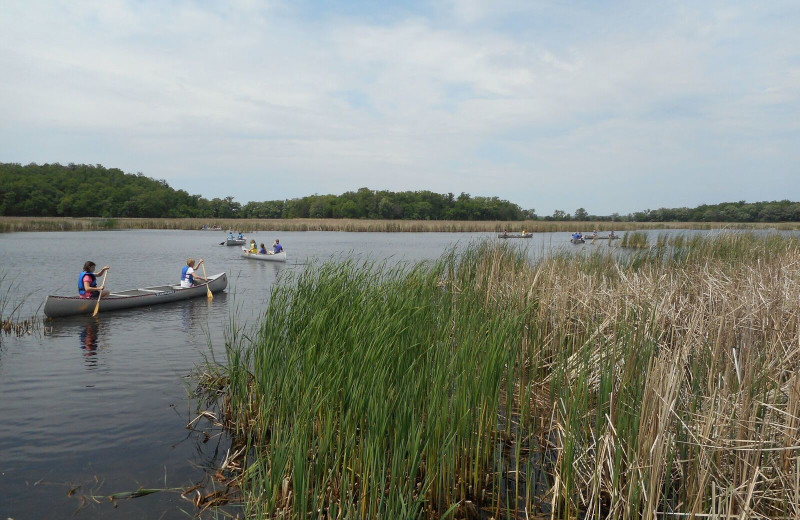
25	224
660	383
637	240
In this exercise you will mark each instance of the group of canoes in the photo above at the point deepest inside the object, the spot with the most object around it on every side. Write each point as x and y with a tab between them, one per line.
93	295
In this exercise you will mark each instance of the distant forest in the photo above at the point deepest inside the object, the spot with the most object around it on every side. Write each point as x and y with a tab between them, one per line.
80	190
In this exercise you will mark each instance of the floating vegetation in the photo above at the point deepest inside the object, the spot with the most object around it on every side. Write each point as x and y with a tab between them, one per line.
18	328
658	384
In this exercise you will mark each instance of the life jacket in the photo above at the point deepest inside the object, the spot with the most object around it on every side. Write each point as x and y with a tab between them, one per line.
81	290
184	276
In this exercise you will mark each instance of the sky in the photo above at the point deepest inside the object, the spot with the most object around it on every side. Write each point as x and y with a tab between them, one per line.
612	106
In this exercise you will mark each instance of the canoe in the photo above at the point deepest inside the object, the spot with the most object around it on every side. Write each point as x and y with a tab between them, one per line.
277	257
577	240
589	237
57	306
515	235
235	242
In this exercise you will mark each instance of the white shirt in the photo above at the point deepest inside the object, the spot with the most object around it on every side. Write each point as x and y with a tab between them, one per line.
185	282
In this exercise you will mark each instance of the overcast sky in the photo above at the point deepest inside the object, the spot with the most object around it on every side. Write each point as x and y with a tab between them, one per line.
611	106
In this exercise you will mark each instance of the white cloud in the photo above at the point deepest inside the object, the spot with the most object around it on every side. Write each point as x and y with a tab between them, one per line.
462	100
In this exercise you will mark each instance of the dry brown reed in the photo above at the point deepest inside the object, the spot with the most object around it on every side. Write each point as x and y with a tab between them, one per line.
710	426
20	224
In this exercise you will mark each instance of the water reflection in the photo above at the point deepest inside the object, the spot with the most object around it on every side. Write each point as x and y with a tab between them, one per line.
88	337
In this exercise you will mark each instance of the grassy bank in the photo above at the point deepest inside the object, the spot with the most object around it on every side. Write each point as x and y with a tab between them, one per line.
664	381
18	224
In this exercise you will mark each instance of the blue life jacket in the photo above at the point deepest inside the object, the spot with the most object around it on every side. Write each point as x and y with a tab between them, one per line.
240	236
185	276
81	290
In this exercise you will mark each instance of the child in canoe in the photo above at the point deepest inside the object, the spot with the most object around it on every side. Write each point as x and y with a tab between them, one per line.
188	276
87	281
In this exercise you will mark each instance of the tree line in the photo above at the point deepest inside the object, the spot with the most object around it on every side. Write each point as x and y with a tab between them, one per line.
81	190
772	211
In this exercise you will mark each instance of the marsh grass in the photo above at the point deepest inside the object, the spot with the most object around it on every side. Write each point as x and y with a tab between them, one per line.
661	383
21	224
11	323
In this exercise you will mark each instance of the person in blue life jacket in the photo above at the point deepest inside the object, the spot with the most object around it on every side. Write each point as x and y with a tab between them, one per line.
240	236
230	235
276	247
263	250
576	236
87	281
188	276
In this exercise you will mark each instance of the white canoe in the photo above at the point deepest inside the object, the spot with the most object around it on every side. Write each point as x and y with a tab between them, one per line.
57	306
277	257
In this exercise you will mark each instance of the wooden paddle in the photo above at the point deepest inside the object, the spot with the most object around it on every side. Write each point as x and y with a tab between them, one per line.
97	306
208	289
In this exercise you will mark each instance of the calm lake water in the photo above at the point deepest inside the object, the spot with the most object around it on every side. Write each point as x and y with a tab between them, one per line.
100	405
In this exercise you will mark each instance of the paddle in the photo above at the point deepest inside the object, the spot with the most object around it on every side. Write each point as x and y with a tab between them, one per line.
208	289
97	306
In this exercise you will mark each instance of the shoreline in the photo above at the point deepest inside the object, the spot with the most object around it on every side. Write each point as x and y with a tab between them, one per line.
34	224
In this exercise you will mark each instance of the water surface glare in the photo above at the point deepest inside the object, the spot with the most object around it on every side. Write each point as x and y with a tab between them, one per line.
102	404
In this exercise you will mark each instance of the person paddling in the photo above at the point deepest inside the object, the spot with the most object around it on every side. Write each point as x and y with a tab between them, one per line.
87	281
276	247
188	276
253	246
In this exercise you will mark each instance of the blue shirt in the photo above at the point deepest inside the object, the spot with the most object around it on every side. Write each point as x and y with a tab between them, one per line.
277	248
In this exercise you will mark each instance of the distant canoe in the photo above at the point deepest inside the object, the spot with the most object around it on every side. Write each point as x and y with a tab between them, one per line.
57	306
589	237
577	240
276	257
515	235
235	242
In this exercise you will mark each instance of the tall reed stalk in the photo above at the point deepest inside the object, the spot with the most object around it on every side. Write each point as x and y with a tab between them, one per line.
653	384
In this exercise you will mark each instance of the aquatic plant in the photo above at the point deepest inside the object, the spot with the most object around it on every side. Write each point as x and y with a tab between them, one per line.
661	382
23	224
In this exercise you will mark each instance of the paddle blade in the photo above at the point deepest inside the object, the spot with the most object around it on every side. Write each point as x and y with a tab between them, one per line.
208	288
